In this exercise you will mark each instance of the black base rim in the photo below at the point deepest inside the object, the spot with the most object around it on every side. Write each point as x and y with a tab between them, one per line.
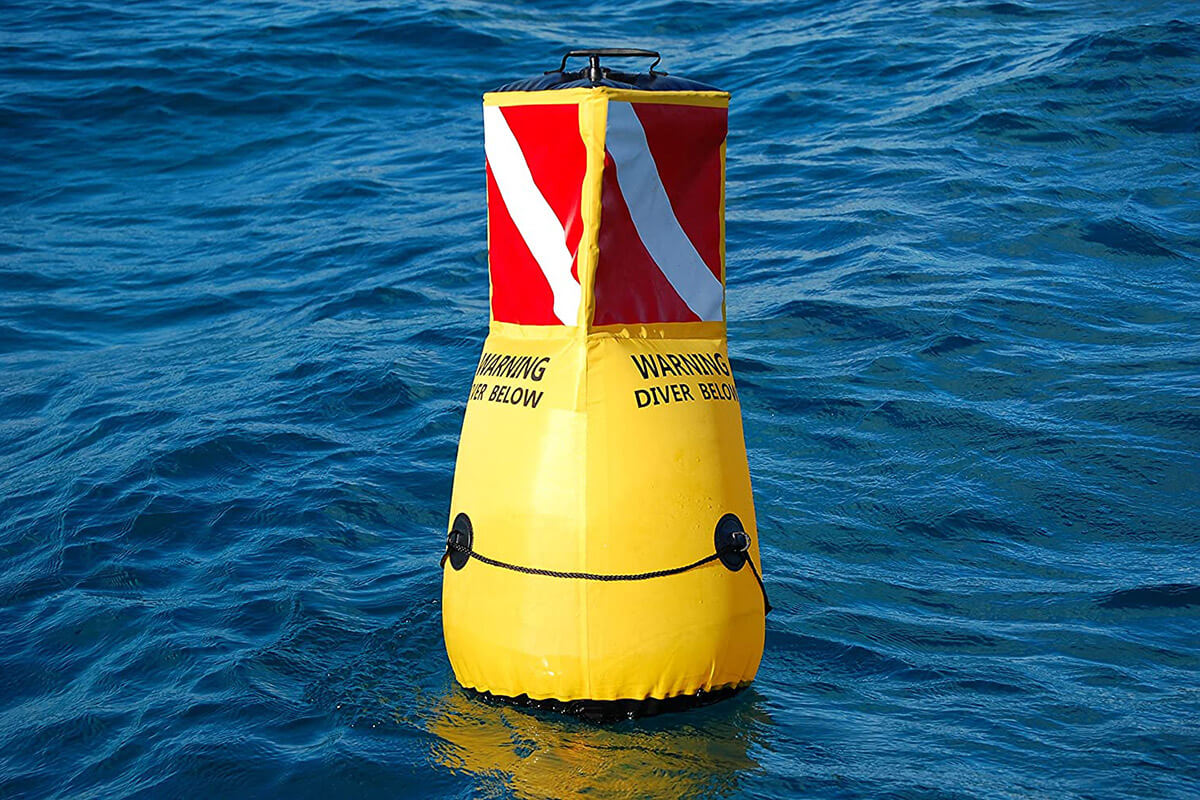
610	710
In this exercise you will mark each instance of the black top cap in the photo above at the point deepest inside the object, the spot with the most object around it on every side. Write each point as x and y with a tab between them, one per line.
596	75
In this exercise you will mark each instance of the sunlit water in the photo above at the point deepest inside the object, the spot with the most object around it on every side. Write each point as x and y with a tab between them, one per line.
243	291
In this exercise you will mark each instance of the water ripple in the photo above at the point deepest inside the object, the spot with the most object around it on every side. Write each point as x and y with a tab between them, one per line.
242	292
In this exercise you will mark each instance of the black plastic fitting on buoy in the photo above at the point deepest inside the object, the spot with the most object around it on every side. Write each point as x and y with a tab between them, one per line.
732	542
459	542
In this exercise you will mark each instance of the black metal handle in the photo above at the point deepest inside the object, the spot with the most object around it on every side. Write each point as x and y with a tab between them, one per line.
593	55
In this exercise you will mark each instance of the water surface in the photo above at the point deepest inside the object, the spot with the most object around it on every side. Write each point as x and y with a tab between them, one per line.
243	290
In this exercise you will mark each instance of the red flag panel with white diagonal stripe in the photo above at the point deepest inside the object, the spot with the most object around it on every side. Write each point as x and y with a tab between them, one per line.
660	232
536	160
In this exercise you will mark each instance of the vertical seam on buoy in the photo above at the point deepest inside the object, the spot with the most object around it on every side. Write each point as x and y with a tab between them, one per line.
593	114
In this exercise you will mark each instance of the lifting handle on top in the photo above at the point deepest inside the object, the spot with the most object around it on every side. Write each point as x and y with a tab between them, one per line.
594	73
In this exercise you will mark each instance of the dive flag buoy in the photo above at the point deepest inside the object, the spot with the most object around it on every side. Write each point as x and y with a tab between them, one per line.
602	557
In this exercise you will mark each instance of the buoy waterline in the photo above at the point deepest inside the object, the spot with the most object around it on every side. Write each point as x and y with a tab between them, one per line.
602	557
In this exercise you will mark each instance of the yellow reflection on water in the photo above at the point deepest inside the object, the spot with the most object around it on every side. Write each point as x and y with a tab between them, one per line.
701	753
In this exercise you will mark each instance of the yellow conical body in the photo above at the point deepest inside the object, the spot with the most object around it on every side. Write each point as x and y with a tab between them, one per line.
604	449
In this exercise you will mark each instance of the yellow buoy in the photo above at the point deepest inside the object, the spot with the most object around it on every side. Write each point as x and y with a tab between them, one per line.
602	555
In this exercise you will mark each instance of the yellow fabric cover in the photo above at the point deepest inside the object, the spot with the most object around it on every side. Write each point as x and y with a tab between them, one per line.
609	472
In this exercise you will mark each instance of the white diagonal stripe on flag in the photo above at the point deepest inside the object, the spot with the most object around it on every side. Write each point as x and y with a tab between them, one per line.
655	220
536	221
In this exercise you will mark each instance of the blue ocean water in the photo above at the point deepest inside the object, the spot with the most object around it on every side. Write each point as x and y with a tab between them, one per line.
243	290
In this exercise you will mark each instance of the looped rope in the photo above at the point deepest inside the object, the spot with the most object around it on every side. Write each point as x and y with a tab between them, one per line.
733	547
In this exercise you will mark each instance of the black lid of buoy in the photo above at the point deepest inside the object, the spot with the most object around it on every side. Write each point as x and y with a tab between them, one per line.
596	75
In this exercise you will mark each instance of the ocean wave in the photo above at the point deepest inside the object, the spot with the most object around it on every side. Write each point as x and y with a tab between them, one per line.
243	265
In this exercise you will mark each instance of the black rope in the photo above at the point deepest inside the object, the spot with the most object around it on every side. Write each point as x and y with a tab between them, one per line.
597	576
766	603
584	576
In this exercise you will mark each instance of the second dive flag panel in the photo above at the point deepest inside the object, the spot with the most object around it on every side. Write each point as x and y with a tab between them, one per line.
659	232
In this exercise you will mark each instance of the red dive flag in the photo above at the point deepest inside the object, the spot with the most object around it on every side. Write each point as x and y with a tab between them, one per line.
660	213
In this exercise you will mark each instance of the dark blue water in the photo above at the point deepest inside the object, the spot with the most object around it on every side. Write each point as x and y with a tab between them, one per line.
242	292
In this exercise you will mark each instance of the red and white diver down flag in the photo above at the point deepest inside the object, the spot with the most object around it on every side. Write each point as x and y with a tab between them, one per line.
536	161
660	231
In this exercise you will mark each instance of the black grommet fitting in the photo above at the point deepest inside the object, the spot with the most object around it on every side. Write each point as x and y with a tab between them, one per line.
461	535
732	542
